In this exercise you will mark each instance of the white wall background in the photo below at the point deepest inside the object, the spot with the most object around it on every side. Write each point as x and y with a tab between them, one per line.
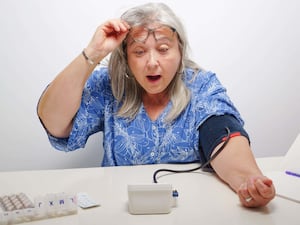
253	46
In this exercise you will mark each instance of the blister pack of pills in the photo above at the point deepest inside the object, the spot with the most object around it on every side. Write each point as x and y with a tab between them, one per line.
18	208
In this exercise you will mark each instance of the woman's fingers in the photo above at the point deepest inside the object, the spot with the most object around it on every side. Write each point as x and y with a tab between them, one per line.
256	191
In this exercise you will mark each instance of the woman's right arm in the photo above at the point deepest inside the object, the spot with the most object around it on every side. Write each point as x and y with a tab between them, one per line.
61	100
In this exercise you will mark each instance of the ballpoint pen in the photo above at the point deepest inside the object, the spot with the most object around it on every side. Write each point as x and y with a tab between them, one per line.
292	173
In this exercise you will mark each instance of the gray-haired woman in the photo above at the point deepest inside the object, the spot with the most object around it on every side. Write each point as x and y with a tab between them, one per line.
152	103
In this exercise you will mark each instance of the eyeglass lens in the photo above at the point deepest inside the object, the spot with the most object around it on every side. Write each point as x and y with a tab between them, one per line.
141	33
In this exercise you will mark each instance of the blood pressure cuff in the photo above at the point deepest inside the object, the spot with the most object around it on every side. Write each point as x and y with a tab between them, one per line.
213	131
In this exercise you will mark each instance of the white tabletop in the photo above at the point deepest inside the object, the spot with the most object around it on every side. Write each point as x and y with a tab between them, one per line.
203	198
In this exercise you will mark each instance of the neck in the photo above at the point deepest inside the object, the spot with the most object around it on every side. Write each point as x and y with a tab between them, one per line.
154	104
160	99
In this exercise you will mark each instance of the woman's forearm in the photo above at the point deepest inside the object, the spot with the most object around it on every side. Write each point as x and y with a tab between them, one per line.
236	162
236	165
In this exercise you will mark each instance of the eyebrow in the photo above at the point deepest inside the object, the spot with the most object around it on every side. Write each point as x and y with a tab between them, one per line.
164	40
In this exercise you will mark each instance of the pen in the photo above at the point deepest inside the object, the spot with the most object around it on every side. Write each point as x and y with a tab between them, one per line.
292	173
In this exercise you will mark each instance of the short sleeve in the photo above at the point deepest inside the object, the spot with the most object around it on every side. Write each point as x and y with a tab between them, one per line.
89	117
210	98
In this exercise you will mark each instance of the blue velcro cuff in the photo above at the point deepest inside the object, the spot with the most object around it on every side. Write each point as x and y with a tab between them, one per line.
212	132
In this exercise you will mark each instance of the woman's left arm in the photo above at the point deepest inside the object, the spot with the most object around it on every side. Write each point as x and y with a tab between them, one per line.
236	165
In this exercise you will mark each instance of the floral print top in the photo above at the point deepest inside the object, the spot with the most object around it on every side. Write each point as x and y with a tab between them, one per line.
141	140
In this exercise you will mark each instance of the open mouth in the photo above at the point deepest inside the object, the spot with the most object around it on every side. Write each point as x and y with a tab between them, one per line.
153	77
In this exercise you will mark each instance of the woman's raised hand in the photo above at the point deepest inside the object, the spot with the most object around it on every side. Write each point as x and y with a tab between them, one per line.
107	37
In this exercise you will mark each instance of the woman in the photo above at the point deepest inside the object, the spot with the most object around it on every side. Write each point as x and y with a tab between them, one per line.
152	103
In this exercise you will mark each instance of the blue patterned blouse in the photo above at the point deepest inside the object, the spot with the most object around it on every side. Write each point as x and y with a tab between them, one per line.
143	141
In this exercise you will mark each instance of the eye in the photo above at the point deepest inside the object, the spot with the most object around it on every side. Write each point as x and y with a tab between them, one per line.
139	51
163	48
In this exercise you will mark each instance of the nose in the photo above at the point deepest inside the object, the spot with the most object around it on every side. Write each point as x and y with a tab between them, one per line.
153	59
